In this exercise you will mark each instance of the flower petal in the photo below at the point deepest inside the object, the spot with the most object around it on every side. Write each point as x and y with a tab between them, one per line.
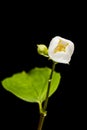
60	50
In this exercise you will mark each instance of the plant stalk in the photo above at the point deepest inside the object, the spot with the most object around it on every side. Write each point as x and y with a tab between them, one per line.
43	114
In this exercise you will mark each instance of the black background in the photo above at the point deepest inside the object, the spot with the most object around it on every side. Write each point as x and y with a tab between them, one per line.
23	26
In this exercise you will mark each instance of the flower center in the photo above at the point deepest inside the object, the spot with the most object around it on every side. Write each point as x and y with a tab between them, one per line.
61	47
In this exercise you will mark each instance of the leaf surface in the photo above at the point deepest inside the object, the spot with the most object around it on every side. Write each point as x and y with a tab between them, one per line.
32	86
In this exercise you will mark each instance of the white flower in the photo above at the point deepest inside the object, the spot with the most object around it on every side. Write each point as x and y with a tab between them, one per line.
60	50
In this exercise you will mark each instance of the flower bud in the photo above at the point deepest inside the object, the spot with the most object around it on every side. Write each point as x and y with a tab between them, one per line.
42	50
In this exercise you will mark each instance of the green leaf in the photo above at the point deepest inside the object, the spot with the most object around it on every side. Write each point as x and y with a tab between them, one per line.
32	86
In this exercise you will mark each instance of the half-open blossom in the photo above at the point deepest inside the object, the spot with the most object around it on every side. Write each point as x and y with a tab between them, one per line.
60	50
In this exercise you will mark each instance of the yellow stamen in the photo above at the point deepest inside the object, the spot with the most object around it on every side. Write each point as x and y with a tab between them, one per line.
61	47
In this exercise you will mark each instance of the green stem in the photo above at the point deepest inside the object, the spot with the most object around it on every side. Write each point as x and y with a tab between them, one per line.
49	85
41	121
43	114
